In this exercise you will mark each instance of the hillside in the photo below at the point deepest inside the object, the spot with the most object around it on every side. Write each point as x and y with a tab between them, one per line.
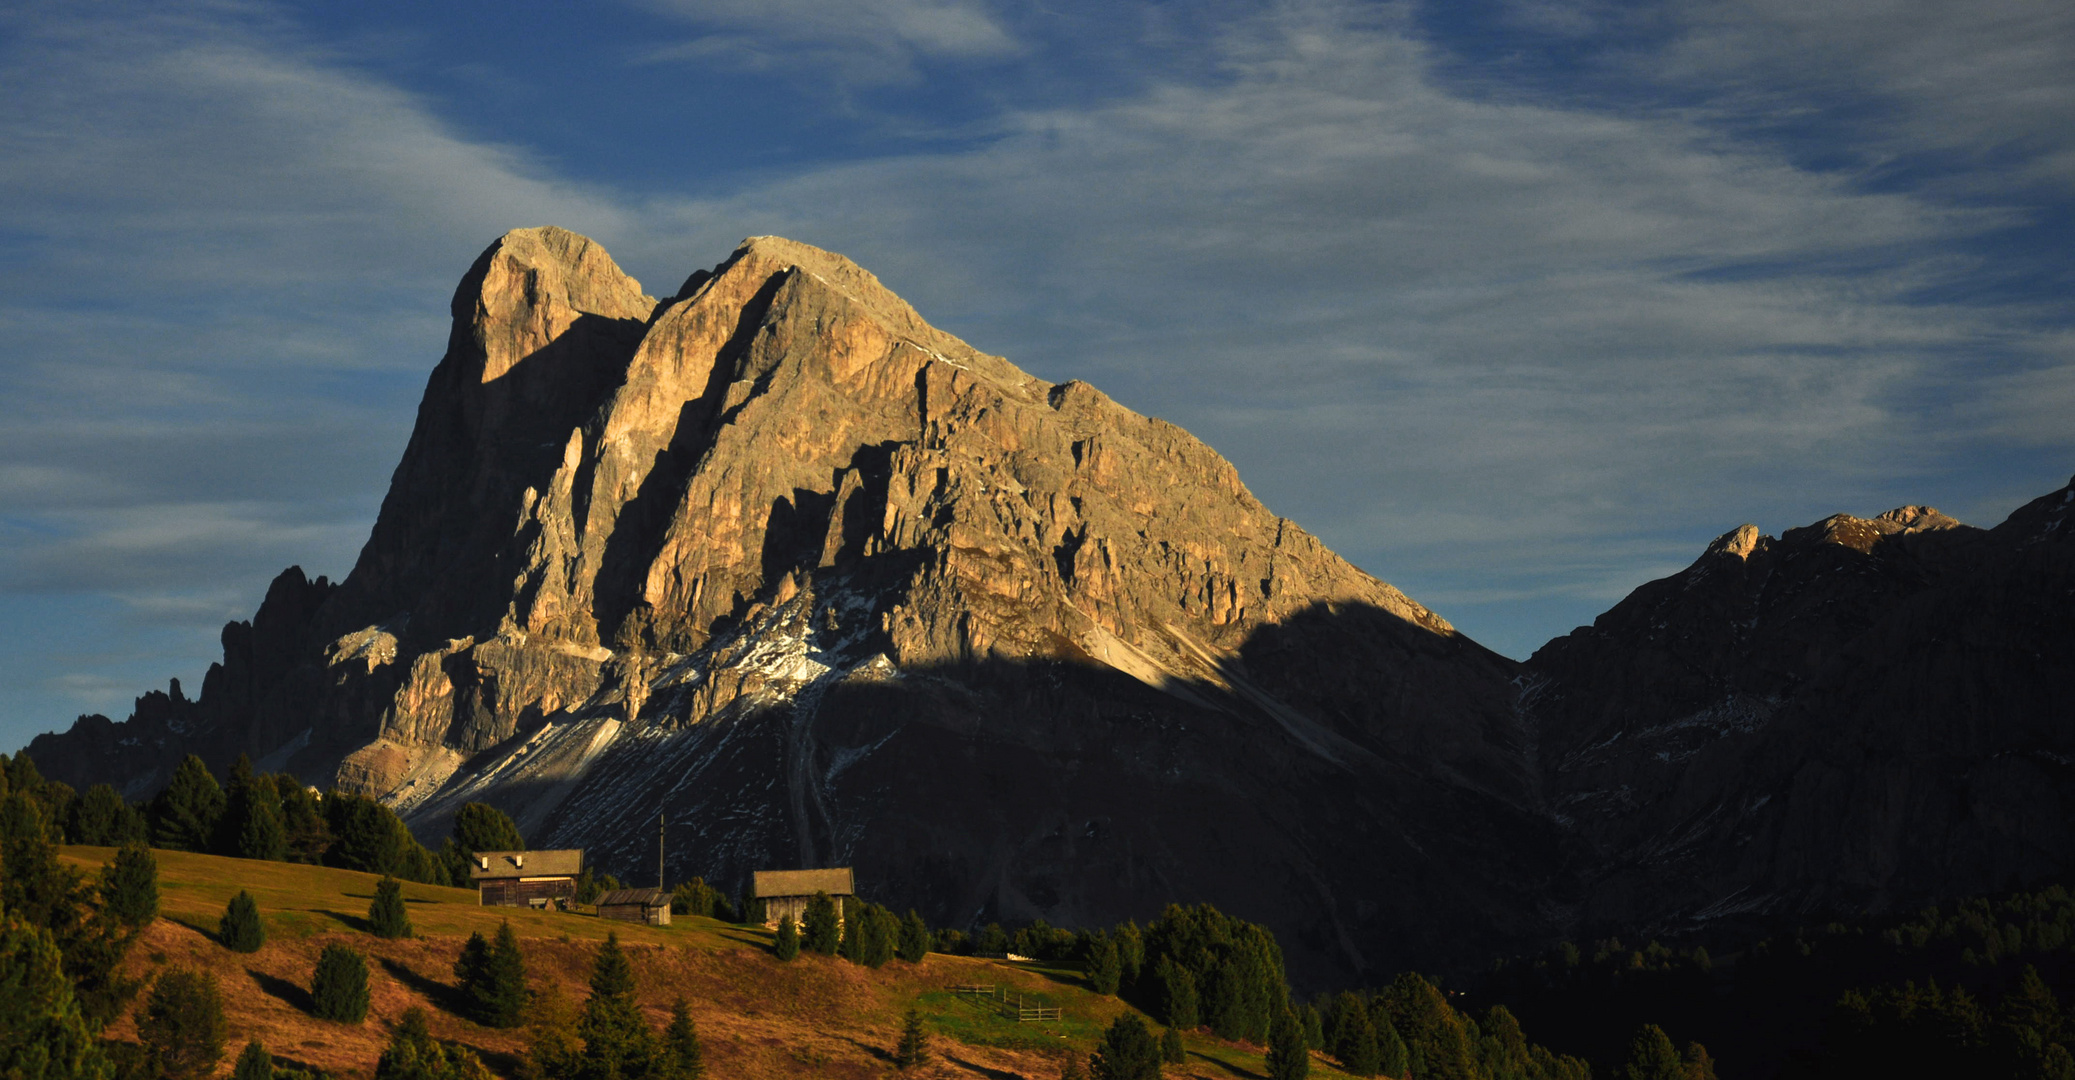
757	1017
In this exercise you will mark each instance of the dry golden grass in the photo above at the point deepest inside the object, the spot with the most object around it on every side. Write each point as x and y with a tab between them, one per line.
758	1019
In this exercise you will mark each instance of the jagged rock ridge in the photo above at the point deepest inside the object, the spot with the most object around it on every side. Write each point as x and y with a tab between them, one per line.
830	585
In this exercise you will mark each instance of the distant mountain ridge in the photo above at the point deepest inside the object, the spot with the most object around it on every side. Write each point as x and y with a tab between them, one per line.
827	585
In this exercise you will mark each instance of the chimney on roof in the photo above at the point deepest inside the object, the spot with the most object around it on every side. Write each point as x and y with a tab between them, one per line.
519	861
483	861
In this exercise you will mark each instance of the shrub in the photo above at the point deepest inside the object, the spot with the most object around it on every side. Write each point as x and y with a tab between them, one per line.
339	987
182	1023
241	929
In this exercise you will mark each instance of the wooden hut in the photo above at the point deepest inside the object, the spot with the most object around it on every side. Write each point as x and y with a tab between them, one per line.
786	892
536	879
651	906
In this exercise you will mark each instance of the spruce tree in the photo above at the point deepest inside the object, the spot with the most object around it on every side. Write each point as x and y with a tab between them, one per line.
851	945
42	1031
338	989
413	1054
1289	1058
1652	1057
184	815
1127	1052
1314	1027
472	978
787	944
250	827
913	1049
682	1058
386	915
1393	1057
255	1063
878	932
241	929
820	931
506	1003
100	818
617	1040
302	821
182	1024
1171	1049
1177	994
1105	967
914	938
130	886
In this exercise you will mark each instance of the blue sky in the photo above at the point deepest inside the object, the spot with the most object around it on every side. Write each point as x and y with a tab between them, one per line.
1515	304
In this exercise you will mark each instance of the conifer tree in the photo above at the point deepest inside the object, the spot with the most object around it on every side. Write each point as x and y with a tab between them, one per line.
913	1049
251	824
185	814
1393	1057
241	929
787	944
551	1025
506	1004
914	938
1652	1057
386	915
1127	1052
305	832
1177	993
1105	967
339	986
1171	1049
42	1031
254	1063
1288	1056
618	1043
682	1058
182	1024
878	933
472	976
413	1054
130	886
1699	1066
1314	1027
820	931
102	819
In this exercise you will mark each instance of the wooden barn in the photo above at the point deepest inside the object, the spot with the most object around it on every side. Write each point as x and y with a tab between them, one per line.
535	879
786	892
651	906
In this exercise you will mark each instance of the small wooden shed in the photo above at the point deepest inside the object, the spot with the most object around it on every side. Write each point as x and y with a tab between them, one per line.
527	878
651	906
786	892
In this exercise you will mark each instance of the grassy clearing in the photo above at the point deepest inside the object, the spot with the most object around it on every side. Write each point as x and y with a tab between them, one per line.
759	1019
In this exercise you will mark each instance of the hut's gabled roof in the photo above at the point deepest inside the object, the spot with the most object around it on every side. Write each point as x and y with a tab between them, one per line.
567	862
835	881
644	897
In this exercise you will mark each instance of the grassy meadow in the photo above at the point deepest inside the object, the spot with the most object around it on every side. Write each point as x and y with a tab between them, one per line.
758	1018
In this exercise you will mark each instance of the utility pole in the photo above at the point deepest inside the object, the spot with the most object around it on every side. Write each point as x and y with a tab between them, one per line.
662	821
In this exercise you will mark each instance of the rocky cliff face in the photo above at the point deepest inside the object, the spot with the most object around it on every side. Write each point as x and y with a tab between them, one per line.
828	585
1857	715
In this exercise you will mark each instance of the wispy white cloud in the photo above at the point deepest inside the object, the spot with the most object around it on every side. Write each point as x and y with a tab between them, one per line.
861	41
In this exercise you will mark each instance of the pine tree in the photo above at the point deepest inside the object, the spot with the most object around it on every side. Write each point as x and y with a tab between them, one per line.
1177	994
551	1024
386	915
820	931
506	1003
787	944
241	929
682	1058
182	1023
302	821
255	1063
878	933
914	938
1393	1057
184	815
472	974
851	946
1171	1049
913	1049
617	1041
1127	1052
1288	1056
1105	967
413	1054
130	886
1652	1057
339	987
1699	1066
250	827
42	1031
477	827
1314	1027
100	818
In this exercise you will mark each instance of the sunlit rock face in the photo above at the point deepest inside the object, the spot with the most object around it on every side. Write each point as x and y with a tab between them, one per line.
1861	714
827	585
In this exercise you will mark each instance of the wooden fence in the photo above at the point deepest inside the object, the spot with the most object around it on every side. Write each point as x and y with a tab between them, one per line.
1012	1003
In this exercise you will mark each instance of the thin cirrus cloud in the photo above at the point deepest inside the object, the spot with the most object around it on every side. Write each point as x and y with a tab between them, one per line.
1512	351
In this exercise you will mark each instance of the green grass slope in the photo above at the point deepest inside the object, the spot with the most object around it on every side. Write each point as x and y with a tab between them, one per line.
758	1018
